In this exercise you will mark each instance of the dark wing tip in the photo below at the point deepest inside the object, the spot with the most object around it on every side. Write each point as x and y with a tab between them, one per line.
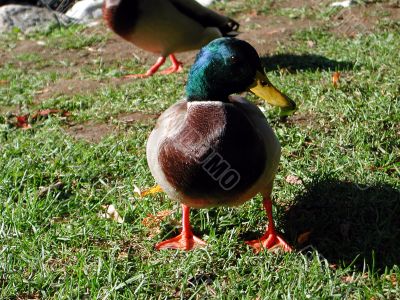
230	28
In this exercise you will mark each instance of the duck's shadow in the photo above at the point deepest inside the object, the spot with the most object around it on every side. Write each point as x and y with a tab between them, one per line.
348	223
303	62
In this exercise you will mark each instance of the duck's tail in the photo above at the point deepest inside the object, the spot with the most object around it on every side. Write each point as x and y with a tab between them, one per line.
230	28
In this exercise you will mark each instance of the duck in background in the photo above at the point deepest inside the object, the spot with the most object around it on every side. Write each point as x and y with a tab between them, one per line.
166	27
217	149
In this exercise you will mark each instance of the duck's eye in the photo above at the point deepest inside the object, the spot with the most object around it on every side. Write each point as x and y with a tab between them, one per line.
263	83
234	59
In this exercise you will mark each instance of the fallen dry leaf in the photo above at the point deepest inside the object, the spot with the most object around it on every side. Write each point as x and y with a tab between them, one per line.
111	213
335	79
292	179
46	90
333	266
347	279
46	112
43	190
153	190
4	82
22	122
123	255
393	279
304	237
153	222
26	296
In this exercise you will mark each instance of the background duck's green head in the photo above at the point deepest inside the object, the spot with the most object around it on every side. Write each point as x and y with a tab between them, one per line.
226	66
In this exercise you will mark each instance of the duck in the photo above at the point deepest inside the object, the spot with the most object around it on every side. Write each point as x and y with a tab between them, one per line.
166	27
215	148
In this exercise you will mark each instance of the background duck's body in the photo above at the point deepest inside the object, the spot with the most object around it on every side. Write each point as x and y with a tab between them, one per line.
183	141
165	27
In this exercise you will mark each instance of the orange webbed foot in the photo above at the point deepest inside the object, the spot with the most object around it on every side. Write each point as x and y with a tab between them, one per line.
269	241
176	66
172	69
181	242
186	240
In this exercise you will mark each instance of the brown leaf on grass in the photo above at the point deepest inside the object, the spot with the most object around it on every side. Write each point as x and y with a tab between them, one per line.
25	121
122	255
28	296
59	220
47	112
310	44
304	237
347	279
42	91
142	193
111	213
22	122
335	79
333	266
153	222
4	82
393	279
292	179
43	190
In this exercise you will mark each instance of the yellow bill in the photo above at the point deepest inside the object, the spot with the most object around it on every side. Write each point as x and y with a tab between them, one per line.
264	89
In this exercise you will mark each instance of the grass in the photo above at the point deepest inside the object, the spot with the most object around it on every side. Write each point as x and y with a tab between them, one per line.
342	144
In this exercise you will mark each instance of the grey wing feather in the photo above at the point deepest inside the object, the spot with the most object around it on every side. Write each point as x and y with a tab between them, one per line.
207	17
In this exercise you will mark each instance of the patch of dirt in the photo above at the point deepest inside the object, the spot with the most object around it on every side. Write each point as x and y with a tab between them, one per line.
363	18
67	87
302	120
265	33
129	118
93	132
298	3
71	87
7	110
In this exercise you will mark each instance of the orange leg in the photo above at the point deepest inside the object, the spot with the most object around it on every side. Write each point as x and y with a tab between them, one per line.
270	239
185	240
160	61
176	66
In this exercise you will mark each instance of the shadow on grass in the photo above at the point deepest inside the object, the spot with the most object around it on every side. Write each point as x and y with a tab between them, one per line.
303	62
349	223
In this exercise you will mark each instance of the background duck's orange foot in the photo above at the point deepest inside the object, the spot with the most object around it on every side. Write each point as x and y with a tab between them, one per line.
270	242
181	242
173	69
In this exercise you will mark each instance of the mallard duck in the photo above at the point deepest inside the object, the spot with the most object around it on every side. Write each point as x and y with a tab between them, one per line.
166	27
214	148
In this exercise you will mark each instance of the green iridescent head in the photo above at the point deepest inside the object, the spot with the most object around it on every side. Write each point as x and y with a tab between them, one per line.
226	66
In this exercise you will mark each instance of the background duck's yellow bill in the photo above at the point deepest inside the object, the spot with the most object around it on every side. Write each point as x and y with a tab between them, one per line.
264	89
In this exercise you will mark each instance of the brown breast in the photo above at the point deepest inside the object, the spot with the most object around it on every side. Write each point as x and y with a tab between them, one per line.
218	154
